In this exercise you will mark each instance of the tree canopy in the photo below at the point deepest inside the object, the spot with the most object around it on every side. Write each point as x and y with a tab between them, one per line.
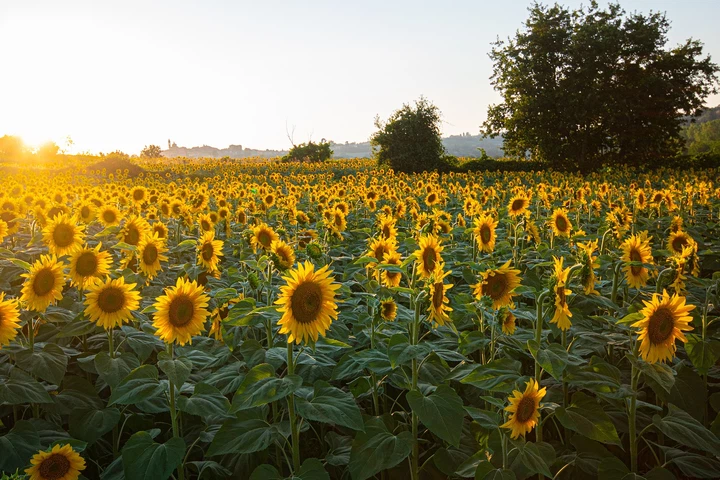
309	152
588	87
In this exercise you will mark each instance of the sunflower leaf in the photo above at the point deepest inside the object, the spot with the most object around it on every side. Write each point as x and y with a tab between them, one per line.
331	405
49	364
441	412
177	369
242	436
376	449
144	459
141	384
261	387
587	417
687	431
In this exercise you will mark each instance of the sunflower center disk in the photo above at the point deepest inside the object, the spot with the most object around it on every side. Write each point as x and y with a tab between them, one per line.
109	217
133	236
517	205
181	311
54	467
86	264
438	294
525	409
63	235
636	257
661	325
150	254
429	259
679	243
264	239
111	300
306	302
497	285
485	234
561	224
208	252
43	282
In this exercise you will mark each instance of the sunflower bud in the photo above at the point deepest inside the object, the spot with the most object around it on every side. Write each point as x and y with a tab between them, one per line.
254	281
314	251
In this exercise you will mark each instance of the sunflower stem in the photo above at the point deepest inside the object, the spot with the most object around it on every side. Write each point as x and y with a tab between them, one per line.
415	420
538	338
634	377
293	420
111	343
615	282
173	413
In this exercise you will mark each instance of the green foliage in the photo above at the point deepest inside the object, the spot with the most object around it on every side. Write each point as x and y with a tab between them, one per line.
594	87
151	151
703	137
410	140
309	152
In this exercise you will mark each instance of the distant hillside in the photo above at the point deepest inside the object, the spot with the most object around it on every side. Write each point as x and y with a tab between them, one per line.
464	145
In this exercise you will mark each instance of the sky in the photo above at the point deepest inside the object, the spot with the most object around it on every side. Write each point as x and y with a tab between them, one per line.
119	75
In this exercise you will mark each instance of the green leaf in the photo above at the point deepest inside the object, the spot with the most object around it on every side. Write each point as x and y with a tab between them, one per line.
612	468
141	384
261	387
49	364
499	474
702	353
18	446
587	417
241	436
692	465
89	425
177	369
689	392
266	472
312	469
658	375
143	459
21	388
400	352
687	431
552	358
441	412
487	419
530	457
497	376
376	449
205	401
331	405
113	370
20	263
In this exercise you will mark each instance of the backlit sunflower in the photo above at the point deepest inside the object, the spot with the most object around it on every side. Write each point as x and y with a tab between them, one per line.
205	223
387	277
388	309
160	229
387	227
59	463
499	284
89	264
438	301
484	232
518	205
636	249
9	320
263	236
589	264
665	318
285	254
427	257
87	212
150	252
209	251
679	240
562	312
109	216
110	303
506	320
307	303
181	312
43	284
3	230
63	235
219	315
134	230
524	409
379	247
560	223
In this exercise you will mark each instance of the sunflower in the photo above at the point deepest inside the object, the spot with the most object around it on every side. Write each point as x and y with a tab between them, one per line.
138	195
387	277
205	223
87	212
9	318
109	216
209	251
438	301
44	283
524	409
499	284
589	264
263	236
63	235
562	311
387	228
679	240
150	252
427	256
181	312
560	223
134	230
665	318
88	264
285	254
3	230
636	249
518	205
219	315
307	303
506	320
388	309
60	463
379	247
484	232
110	303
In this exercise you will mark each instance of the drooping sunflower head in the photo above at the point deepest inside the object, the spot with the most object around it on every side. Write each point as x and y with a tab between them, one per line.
560	223
427	256
524	409
89	264
678	241
209	251
110	303
518	205
263	236
181	312
589	264
438	301
9	320
499	284
43	284
284	253
63	235
388	310
484	232
507	321
3	230
637	249
562	314
59	463
665	318
150	252
307	303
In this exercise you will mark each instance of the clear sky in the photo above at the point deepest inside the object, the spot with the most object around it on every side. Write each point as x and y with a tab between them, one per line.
124	74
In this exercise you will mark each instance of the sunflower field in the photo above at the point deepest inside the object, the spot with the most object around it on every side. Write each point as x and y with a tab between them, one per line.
208	319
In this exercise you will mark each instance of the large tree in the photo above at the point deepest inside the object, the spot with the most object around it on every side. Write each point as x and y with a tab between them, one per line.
594	86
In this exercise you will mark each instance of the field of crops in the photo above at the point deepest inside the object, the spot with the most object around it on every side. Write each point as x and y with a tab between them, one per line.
260	321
